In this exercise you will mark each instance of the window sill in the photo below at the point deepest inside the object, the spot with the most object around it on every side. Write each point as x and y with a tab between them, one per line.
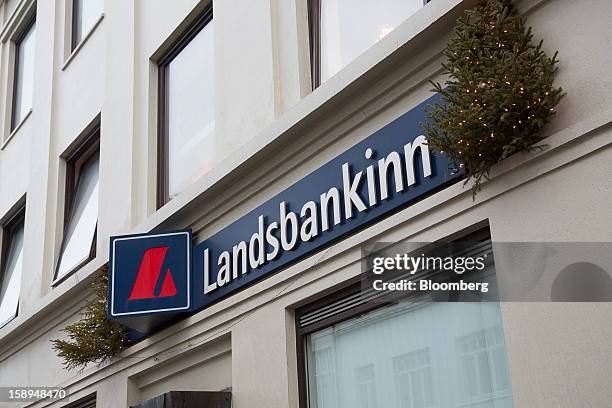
72	272
14	131
7	321
76	49
73	291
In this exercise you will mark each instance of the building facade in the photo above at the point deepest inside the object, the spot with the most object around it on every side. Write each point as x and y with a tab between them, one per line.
122	117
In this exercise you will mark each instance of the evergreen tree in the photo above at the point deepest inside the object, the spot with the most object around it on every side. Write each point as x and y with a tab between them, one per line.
94	338
499	93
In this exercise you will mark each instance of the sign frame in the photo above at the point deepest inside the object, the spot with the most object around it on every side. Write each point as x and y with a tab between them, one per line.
113	268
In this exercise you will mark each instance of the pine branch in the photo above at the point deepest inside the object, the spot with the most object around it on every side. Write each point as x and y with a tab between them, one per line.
94	338
498	95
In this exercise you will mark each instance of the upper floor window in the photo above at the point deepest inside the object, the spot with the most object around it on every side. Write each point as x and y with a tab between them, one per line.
11	266
81	216
85	14
341	30
186	110
23	74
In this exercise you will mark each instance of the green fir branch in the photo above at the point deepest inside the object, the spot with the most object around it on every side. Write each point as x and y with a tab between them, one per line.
499	91
93	338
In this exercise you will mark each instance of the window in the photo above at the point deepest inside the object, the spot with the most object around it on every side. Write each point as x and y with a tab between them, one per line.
85	402
406	355
81	216
23	74
11	267
85	14
341	30
355	352
186	110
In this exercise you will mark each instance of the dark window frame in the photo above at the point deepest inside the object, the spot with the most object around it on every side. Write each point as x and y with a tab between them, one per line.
163	141
302	333
351	288
74	42
15	222
18	40
314	35
86	151
86	402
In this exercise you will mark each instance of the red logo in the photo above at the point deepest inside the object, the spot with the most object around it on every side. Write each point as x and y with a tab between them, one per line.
149	273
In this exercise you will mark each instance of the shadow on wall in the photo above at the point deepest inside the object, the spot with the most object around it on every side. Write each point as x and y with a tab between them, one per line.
582	282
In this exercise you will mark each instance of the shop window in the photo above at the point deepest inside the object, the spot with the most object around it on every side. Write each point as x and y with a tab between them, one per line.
341	30
81	215
11	268
23	73
407	353
85	15
186	143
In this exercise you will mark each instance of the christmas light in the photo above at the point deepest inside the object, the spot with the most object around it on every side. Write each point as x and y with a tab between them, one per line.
513	77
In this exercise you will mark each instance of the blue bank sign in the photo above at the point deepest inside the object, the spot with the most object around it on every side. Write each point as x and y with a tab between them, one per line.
385	172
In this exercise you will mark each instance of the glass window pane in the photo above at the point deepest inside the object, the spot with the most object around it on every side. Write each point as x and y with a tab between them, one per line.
86	13
83	219
190	112
11	279
412	356
349	27
24	77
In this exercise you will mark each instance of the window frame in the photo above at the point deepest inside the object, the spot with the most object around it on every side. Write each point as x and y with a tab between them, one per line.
351	288
302	332
86	150
89	401
9	227
22	33
163	136
74	42
314	35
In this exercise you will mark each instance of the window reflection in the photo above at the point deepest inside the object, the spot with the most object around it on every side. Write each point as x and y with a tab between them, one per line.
413	384
365	383
85	15
190	115
80	233
411	356
348	28
10	285
24	76
483	361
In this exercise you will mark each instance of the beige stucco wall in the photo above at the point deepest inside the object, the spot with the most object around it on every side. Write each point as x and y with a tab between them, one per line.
272	131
